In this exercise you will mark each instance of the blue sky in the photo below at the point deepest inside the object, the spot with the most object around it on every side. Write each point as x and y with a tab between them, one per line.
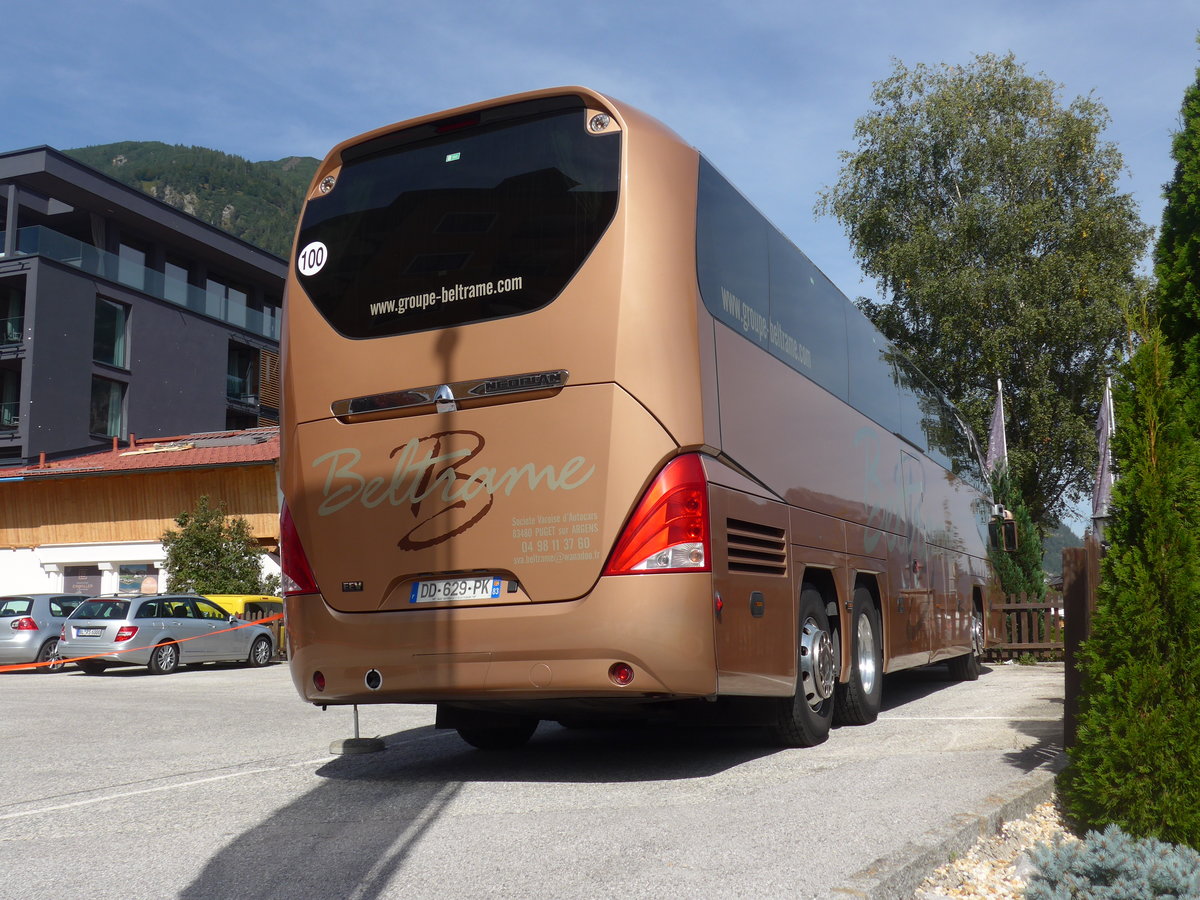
768	89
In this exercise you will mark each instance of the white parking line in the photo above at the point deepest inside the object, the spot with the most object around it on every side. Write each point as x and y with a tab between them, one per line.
165	787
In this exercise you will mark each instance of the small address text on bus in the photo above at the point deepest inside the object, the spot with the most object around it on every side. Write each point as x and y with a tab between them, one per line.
399	305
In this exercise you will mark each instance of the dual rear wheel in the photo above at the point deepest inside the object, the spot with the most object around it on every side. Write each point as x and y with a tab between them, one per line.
804	719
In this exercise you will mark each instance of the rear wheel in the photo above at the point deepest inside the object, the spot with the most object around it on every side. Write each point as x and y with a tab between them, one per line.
859	698
47	654
804	719
968	667
500	737
164	659
260	651
91	666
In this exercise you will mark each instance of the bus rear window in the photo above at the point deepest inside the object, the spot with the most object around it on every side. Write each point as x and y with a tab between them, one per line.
436	227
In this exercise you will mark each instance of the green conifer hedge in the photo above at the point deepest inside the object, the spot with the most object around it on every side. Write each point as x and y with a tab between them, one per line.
1136	762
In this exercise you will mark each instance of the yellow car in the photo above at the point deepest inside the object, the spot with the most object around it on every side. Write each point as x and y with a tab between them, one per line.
253	607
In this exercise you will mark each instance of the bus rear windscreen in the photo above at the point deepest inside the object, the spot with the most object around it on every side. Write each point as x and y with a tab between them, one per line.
436	227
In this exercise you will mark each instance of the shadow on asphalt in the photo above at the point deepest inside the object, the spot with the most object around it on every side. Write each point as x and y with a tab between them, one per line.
349	836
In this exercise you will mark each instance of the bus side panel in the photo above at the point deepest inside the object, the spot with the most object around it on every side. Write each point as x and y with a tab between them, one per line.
755	625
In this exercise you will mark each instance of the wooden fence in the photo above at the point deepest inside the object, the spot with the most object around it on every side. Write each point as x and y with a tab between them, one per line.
1032	628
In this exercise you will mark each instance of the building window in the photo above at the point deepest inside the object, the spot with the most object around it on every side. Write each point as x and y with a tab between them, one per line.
108	408
241	383
12	318
10	399
109	338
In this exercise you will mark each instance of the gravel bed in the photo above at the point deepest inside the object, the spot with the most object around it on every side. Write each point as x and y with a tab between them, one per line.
997	867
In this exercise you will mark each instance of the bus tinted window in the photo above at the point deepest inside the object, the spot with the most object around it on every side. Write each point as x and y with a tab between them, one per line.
487	220
731	257
808	318
873	377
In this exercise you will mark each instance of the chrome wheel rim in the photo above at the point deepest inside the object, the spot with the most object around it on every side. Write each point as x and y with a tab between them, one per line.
817	673
167	657
262	652
977	633
868	664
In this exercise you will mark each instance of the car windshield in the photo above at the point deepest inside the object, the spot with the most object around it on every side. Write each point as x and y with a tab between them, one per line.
15	606
102	609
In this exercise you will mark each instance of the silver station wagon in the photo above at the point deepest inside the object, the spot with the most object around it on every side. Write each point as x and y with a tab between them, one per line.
160	632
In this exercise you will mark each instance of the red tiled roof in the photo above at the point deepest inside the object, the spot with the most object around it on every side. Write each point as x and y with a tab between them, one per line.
217	448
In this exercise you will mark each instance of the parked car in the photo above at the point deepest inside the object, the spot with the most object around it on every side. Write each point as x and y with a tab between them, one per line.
161	632
30	625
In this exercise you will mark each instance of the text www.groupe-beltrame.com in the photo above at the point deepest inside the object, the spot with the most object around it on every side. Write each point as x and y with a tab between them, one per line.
400	305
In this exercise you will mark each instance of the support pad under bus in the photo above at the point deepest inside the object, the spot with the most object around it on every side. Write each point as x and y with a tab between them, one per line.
356	745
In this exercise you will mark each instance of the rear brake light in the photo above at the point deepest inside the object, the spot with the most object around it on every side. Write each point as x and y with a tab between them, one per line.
668	531
24	624
125	632
297	574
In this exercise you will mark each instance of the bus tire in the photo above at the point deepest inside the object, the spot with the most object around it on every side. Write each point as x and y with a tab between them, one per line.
859	698
500	737
803	720
968	666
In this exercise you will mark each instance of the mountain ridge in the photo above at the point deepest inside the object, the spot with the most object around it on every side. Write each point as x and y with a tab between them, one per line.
258	202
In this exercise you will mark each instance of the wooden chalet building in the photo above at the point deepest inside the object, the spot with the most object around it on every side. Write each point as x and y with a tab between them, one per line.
93	523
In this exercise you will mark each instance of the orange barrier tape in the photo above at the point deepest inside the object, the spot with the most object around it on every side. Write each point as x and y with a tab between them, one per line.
63	662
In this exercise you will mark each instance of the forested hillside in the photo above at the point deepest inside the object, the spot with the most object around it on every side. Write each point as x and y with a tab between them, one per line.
256	201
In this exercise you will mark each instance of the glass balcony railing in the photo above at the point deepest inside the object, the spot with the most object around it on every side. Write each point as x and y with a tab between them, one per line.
37	240
241	390
10	416
10	330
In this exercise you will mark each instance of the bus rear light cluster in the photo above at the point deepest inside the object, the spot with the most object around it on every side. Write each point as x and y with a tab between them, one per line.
668	531
620	673
319	680
293	562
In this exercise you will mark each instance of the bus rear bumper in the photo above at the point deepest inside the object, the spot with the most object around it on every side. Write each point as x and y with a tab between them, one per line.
660	625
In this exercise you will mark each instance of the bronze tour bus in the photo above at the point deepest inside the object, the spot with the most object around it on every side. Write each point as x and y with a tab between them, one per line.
571	431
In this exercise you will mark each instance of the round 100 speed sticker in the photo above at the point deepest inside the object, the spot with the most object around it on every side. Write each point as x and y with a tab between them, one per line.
312	258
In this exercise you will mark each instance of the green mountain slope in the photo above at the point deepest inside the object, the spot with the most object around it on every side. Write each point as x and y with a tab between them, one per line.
256	201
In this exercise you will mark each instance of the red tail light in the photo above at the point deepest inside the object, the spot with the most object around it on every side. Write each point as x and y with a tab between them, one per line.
125	632
668	532
297	574
23	624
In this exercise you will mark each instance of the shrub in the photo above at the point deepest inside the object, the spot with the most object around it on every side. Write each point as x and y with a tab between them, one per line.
1113	866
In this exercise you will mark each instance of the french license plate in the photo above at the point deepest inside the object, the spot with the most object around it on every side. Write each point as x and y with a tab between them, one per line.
88	632
458	589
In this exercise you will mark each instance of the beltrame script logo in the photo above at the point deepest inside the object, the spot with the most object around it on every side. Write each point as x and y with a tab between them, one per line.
434	477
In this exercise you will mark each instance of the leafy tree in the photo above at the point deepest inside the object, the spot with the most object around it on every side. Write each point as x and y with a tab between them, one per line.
1136	760
989	215
211	554
1019	571
1177	254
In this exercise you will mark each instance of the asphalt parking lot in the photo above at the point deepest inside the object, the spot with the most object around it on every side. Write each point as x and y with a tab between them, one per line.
218	783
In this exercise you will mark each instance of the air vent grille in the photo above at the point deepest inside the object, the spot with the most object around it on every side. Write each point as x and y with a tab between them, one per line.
755	549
